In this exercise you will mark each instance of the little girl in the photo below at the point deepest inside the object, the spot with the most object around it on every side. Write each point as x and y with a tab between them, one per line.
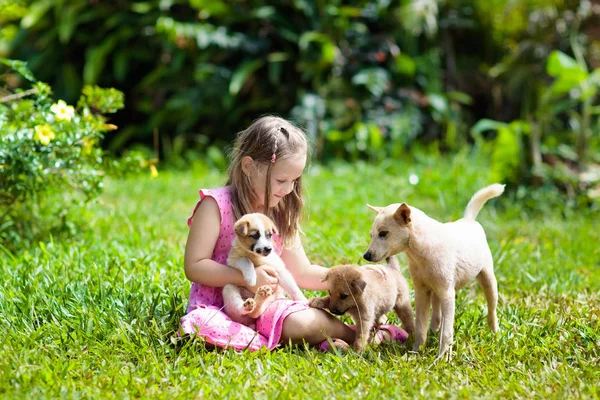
265	175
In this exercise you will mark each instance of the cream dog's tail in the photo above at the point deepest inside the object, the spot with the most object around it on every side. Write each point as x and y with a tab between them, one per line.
479	199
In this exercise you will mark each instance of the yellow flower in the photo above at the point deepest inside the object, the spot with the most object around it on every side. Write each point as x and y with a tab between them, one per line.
110	127
86	146
153	171
43	134
62	111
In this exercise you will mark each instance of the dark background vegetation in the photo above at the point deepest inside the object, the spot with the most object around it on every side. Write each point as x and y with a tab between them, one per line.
366	79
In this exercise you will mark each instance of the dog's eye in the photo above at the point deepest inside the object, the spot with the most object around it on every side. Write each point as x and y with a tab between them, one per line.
383	234
343	296
255	236
268	235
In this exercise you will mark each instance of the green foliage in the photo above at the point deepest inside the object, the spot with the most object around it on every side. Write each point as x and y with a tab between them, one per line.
96	316
367	79
49	152
200	71
558	131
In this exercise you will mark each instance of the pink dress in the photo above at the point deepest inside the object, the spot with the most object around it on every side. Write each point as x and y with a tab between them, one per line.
205	316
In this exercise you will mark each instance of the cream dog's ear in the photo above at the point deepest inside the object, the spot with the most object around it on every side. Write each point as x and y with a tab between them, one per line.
402	214
241	228
376	209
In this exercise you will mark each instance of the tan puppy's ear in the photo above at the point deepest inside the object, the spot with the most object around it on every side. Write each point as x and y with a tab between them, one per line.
376	209
241	228
325	278
359	284
402	214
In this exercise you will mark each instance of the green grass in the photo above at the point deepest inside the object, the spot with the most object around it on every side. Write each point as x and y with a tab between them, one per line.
95	316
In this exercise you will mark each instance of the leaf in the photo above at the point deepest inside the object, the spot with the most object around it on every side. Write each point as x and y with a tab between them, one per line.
67	24
405	65
486	125
20	67
505	156
560	64
36	12
96	58
241	75
375	136
438	102
460	97
328	48
375	79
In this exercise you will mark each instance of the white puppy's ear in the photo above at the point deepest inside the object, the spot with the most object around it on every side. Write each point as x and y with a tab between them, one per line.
402	214
241	228
376	209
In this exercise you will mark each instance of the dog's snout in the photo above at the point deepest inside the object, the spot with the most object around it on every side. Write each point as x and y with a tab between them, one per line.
336	311
265	251
368	256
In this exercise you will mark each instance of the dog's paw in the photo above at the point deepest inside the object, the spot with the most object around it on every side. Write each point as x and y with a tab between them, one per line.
264	291
317	302
359	345
249	305
250	280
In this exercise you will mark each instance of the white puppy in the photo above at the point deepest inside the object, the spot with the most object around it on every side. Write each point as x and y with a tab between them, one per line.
442	258
251	248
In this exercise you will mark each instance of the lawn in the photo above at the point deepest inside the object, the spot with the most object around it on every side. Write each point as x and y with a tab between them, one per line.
95	315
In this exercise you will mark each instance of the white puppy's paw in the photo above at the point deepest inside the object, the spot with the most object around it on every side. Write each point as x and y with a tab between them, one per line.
264	291
249	305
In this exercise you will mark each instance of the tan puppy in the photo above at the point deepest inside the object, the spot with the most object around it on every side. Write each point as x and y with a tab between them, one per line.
251	248
442	258
367	295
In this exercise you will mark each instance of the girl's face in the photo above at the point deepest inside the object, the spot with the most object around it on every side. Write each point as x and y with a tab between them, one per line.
283	178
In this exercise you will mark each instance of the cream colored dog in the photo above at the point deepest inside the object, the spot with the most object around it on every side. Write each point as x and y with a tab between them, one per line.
442	258
251	248
367	294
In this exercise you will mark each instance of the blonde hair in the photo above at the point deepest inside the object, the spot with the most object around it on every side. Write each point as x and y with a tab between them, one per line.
267	140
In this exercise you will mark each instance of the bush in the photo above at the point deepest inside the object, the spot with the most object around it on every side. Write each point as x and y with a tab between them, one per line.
50	156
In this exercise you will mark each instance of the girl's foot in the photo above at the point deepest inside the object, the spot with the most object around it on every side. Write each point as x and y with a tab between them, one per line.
338	344
391	333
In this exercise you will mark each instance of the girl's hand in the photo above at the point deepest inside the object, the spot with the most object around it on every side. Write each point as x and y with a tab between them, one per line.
265	275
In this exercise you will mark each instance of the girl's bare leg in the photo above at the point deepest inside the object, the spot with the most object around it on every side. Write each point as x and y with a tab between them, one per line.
313	326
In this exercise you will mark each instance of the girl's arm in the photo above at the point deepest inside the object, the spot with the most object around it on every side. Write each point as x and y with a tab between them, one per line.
307	276
200	246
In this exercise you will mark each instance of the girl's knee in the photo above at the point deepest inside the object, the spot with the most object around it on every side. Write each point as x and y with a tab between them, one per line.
314	326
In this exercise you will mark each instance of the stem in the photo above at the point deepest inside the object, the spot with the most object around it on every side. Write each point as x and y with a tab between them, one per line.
11	97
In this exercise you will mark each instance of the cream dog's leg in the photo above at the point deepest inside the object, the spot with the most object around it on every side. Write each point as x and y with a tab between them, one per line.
405	313
436	313
488	283
447	303
422	305
287	282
